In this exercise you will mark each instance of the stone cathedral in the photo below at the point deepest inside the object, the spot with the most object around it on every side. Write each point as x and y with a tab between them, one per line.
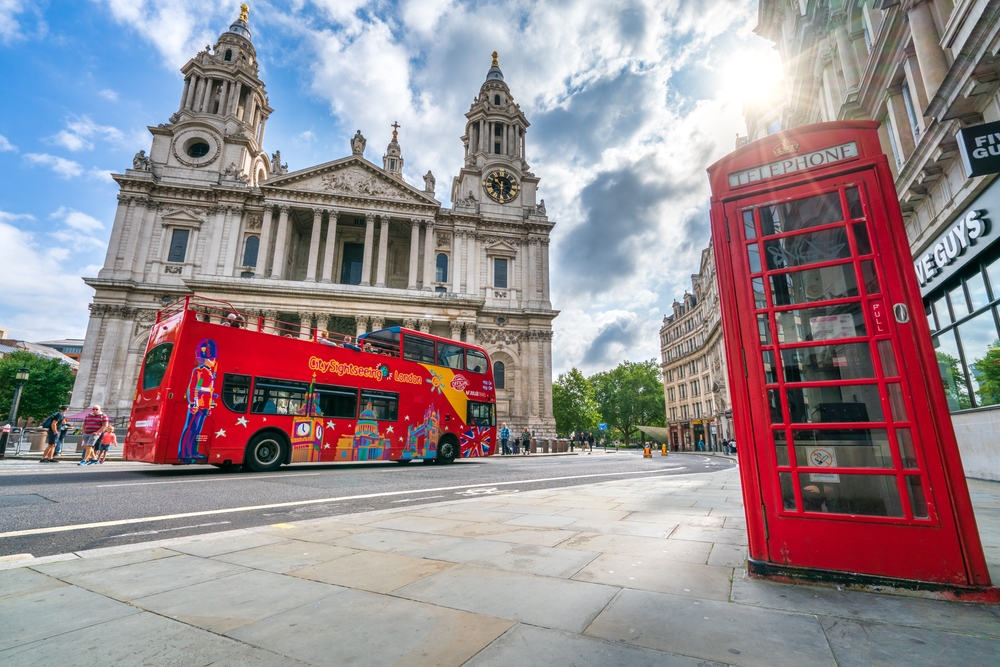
348	246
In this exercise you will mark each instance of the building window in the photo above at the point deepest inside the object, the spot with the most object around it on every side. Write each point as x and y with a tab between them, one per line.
708	407
496	148
774	127
496	100
911	112
500	272
697	410
178	245
892	142
499	377
682	390
684	412
352	263
392	164
441	274
673	414
250	251
229	55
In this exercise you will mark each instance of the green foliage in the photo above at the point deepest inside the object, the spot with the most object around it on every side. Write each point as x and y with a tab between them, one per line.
630	395
987	374
573	403
954	382
48	386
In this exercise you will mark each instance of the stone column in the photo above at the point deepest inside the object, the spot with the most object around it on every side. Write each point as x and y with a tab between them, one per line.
456	330
414	250
926	42
361	322
331	246
429	252
472	265
222	98
211	265
126	204
206	95
192	92
145	240
314	245
506	138
366	265
425	326
88	365
911	68
544	247
234	98
125	256
234	241
383	251
305	326
847	60
456	261
322	321
265	241
523	258
280	243
546	361
377	323
184	95
900	122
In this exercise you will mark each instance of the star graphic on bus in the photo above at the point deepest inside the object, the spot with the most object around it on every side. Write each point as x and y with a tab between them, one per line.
221	433
389	430
407	418
242	421
330	424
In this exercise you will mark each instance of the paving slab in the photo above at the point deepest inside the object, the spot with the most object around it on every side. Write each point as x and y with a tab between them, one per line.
545	538
867	644
285	556
418	524
523	558
317	530
726	555
543	601
420	545
623	527
699	534
217	544
24	581
68	568
364	629
710	630
541	521
373	571
660	574
141	579
602	514
650	547
529	646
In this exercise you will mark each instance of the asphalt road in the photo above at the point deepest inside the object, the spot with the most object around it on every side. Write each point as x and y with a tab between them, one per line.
52	509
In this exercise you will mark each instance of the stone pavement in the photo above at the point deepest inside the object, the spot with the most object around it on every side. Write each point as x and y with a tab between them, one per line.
640	572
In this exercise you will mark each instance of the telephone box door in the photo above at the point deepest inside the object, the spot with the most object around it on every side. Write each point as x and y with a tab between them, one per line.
847	478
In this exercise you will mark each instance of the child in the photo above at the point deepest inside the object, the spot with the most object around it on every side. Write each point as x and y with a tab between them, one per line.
108	440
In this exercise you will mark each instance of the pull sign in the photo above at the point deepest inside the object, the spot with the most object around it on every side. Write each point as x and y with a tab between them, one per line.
901	312
880	317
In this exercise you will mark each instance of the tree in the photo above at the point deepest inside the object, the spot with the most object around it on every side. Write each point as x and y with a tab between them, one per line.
48	387
630	395
986	371
573	403
954	382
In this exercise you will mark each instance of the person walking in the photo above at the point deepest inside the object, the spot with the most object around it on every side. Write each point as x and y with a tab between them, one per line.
701	445
51	426
107	441
590	442
504	439
94	425
526	441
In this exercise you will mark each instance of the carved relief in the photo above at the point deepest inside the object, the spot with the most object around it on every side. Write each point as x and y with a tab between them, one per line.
359	182
173	269
112	310
254	222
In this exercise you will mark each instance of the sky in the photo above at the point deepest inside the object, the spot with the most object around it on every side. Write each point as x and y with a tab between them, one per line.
629	101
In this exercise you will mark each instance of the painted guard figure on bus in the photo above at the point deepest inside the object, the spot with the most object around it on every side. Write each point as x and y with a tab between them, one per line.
201	399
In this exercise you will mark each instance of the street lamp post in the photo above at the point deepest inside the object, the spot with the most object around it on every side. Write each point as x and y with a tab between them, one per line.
22	377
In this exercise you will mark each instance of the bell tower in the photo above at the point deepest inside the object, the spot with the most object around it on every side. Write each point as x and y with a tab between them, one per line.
217	133
392	161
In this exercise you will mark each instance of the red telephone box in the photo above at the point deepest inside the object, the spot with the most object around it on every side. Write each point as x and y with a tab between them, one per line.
848	459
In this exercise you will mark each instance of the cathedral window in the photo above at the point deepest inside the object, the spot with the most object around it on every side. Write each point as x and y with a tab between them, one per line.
441	273
198	149
392	164
500	272
178	245
250	251
229	55
496	100
499	375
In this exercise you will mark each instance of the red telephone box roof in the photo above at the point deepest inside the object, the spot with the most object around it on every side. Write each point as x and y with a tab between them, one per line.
790	154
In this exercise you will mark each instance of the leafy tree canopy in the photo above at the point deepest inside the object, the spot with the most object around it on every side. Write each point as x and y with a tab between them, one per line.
573	403
630	395
48	386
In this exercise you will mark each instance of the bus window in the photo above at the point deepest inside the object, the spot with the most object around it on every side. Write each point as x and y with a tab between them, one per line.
385	342
385	405
278	397
419	349
476	361
340	402
235	392
450	356
155	366
481	414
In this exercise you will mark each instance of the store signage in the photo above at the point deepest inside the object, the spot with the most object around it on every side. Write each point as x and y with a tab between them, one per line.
980	148
951	245
789	165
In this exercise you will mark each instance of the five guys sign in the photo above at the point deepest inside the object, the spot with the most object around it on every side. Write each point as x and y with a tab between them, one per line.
980	148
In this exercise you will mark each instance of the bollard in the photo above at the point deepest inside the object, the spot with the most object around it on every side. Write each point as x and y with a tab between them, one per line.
663	449
647	452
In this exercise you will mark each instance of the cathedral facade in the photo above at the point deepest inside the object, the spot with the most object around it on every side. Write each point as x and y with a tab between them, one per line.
346	246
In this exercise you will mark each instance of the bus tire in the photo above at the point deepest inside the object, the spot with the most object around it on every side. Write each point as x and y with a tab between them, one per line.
265	453
447	450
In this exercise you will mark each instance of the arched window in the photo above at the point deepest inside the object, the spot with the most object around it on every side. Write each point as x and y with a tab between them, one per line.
496	100
499	380
229	55
442	268
250	251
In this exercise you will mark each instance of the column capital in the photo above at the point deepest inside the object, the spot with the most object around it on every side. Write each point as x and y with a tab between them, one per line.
370	218
377	323
361	320
410	322
317	213
425	325
284	208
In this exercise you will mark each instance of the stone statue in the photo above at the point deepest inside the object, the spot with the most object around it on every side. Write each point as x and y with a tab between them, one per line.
140	162
276	167
429	181
244	13
234	173
541	208
358	143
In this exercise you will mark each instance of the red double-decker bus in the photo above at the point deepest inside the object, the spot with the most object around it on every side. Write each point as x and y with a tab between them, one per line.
220	388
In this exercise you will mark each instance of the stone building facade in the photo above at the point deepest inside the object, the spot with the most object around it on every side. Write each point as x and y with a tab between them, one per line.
347	246
693	364
926	69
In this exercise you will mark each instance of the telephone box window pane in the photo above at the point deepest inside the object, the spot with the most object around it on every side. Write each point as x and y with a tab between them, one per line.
866	495
178	245
748	228
787	491
888	358
801	214
770	371
982	354
854	207
950	367
774	402
763	329
918	502
760	300
870	277
828	362
840	403
829	282
944	315
753	255
959	305
780	448
897	406
861	238
977	290
907	453
810	248
843	448
829	323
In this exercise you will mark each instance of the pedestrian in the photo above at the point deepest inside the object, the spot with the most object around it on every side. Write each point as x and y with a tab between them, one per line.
61	440
504	440
701	445
590	441
94	425
51	426
572	440
526	441
107	441
516	445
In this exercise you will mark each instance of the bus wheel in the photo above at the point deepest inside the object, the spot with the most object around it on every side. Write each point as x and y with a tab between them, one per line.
447	450
265	452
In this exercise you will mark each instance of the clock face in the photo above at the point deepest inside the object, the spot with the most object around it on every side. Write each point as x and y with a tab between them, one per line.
501	186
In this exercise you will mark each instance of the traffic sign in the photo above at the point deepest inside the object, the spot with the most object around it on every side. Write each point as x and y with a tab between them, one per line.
602	426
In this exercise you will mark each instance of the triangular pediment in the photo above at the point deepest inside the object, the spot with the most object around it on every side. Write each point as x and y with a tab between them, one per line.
500	248
182	218
350	177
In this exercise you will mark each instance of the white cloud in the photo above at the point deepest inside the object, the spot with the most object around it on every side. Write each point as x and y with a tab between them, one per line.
12	217
80	131
5	144
12	23
76	219
108	94
62	166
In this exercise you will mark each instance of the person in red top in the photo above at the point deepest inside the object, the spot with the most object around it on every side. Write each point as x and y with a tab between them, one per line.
94	425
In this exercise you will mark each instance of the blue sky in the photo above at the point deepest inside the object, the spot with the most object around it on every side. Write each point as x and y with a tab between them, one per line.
629	101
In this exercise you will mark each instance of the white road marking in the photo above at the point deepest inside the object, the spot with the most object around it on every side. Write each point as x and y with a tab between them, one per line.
167	530
317	501
209	478
414	500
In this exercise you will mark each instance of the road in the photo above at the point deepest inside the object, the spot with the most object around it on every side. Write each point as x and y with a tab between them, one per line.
52	509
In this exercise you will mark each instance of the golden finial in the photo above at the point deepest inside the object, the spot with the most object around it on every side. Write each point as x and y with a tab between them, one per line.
244	12
495	63
395	129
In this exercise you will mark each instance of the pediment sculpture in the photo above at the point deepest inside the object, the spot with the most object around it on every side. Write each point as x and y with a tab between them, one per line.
359	182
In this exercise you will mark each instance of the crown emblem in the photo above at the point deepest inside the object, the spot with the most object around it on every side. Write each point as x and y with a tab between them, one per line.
785	147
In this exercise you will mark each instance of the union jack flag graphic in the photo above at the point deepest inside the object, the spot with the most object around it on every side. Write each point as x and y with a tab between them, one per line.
475	441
